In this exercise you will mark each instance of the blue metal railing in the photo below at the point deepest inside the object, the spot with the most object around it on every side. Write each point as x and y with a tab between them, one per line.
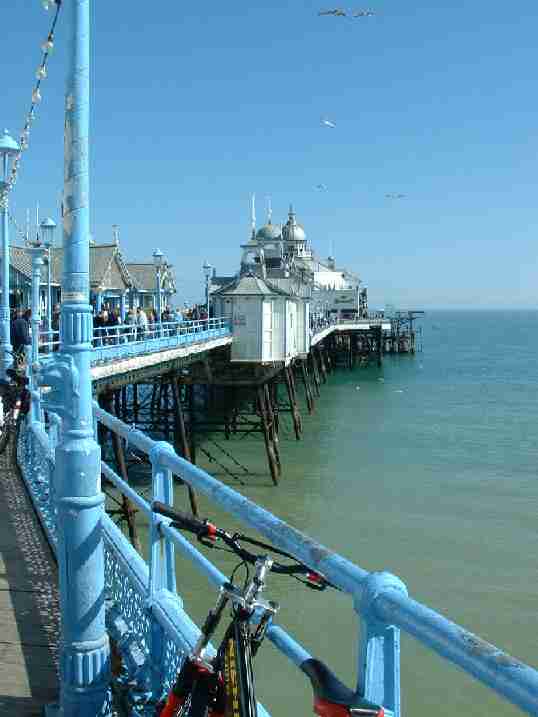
146	615
112	343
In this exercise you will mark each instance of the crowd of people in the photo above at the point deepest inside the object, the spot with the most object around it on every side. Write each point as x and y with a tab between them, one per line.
141	323
108	327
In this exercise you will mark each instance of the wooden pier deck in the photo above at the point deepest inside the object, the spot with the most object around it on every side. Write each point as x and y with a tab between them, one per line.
29	610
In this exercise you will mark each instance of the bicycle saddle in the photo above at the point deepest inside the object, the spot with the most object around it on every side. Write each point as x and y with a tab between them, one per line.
328	688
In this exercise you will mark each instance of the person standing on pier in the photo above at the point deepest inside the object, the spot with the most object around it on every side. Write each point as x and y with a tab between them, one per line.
141	322
20	333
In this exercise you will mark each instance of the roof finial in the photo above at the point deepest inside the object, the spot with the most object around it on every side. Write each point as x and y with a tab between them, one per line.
27	225
269	210
291	215
253	216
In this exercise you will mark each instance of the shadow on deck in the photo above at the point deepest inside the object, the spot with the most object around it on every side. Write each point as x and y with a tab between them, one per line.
29	609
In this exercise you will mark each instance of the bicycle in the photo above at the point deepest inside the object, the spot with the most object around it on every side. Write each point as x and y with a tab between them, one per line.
15	401
224	685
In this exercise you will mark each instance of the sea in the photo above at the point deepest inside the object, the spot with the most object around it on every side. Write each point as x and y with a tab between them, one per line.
425	467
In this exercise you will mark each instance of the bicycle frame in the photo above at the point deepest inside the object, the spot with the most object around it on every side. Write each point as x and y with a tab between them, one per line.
226	683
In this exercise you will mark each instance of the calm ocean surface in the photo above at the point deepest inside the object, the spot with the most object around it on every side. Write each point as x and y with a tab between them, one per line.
430	473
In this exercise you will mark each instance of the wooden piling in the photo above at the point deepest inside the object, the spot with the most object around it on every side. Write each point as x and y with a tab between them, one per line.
307	387
271	457
181	442
288	378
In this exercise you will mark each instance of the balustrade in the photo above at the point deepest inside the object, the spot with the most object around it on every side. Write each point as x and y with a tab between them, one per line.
127	340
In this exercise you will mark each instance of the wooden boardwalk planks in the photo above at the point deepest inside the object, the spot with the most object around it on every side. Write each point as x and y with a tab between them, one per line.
29	612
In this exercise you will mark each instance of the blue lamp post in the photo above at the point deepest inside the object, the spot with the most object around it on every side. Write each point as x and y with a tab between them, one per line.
8	149
207	273
158	260
37	250
84	645
47	228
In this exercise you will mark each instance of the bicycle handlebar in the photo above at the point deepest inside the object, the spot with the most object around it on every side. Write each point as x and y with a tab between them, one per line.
203	529
182	520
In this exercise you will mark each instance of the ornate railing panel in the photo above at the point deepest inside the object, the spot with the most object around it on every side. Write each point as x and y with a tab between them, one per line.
35	456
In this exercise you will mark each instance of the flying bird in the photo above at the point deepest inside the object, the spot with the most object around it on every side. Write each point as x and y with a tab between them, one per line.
363	13
395	196
327	122
321	187
337	12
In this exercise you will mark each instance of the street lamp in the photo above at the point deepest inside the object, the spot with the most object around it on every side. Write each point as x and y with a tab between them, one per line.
158	261
47	227
37	250
8	149
207	273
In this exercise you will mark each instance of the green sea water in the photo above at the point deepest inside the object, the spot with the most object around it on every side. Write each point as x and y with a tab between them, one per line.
427	468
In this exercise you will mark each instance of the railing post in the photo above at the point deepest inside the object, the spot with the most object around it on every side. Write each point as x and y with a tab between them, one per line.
84	645
162	570
379	646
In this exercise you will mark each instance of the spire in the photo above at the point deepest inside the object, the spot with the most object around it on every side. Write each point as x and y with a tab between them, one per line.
269	210
291	215
27	225
253	216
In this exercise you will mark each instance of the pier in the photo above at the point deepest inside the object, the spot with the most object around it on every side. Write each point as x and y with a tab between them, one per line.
113	618
29	609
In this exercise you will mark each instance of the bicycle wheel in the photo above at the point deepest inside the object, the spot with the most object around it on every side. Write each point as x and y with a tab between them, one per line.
18	423
7	421
238	674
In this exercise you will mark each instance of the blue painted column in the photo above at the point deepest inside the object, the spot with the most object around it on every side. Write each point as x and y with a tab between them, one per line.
8	147
49	296
85	652
37	264
5	333
379	646
158	305
122	307
98	301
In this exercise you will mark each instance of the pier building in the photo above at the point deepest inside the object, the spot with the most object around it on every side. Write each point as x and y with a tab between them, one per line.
114	282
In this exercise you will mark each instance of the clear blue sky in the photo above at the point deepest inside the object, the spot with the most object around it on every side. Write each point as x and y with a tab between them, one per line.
195	106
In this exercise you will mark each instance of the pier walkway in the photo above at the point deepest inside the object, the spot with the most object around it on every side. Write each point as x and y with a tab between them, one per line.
349	325
29	612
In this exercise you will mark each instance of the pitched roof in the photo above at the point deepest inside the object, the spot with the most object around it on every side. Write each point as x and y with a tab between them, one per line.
249	285
20	260
143	276
107	267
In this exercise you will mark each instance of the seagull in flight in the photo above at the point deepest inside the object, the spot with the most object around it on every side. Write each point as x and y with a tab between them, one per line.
337	12
363	13
327	122
395	196
321	187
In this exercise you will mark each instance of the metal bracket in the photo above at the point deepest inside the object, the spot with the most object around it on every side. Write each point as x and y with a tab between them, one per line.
61	376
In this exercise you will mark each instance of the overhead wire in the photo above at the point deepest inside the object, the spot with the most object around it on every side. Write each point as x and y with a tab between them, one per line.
41	74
